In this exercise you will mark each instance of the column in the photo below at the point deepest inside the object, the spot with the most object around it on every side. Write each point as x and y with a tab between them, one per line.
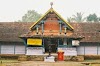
97	49
14	48
42	28
37	29
58	45
65	41
65	30
43	42
0	48
60	30
84	49
25	43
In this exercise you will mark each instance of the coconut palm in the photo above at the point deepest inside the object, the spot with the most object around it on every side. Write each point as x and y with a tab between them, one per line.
78	17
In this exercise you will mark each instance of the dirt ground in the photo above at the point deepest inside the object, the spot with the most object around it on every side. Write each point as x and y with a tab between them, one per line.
42	63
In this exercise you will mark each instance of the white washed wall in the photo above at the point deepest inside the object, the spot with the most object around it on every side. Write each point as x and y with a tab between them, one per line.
19	49
91	50
80	50
35	51
68	51
7	49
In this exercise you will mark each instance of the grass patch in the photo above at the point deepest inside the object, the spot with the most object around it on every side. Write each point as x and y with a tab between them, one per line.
9	61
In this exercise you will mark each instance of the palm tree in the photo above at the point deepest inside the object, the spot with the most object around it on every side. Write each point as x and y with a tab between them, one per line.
70	19
78	17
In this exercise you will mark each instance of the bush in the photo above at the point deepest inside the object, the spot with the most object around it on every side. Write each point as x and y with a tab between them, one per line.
22	58
74	58
92	57
8	56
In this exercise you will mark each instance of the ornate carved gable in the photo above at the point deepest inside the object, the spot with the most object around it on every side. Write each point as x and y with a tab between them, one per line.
51	22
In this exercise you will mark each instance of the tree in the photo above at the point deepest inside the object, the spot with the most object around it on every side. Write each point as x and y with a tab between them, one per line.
70	19
78	17
93	18
30	16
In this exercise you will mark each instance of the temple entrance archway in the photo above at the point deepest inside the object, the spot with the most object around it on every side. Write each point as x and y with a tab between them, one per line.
51	42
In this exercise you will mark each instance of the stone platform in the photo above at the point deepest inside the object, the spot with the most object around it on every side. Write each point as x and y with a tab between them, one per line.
49	59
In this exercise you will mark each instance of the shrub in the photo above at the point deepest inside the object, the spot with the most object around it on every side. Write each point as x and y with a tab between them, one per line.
91	57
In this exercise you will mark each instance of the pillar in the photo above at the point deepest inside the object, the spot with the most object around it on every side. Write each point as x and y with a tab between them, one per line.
58	42
43	42
65	41
25	43
0	48
65	30
42	27
60	30
37	30
14	48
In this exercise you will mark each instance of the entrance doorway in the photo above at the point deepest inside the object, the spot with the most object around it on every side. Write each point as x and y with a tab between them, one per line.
50	42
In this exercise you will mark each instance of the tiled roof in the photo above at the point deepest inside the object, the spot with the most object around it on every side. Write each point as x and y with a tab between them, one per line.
10	31
90	31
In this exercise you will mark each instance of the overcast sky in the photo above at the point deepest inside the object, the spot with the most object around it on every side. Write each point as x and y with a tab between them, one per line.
13	10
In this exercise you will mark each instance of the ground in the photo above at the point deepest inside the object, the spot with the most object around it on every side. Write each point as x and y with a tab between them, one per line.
42	63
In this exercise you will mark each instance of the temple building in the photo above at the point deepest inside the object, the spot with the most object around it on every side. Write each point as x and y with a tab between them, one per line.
51	29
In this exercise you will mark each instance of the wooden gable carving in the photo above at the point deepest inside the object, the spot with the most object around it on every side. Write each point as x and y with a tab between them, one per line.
51	22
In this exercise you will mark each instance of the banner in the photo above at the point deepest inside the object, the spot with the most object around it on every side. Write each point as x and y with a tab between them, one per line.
31	41
75	42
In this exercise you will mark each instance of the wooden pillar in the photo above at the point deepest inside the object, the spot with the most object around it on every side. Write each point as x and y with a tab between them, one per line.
25	40
43	42
84	49
58	42
98	49
0	48
14	48
65	41
42	27
25	49
65	30
60	28
37	30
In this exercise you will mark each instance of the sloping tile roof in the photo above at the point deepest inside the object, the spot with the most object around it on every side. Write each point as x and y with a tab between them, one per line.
90	31
10	31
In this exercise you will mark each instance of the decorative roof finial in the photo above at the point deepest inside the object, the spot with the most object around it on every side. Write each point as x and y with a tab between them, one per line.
51	4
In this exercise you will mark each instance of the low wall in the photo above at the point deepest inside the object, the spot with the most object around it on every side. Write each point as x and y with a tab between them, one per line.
41	58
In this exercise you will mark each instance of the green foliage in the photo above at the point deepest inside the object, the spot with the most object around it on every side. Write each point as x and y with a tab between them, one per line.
30	16
70	19
78	17
93	18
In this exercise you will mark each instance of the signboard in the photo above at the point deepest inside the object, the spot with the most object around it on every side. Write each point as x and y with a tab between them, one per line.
31	41
75	42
